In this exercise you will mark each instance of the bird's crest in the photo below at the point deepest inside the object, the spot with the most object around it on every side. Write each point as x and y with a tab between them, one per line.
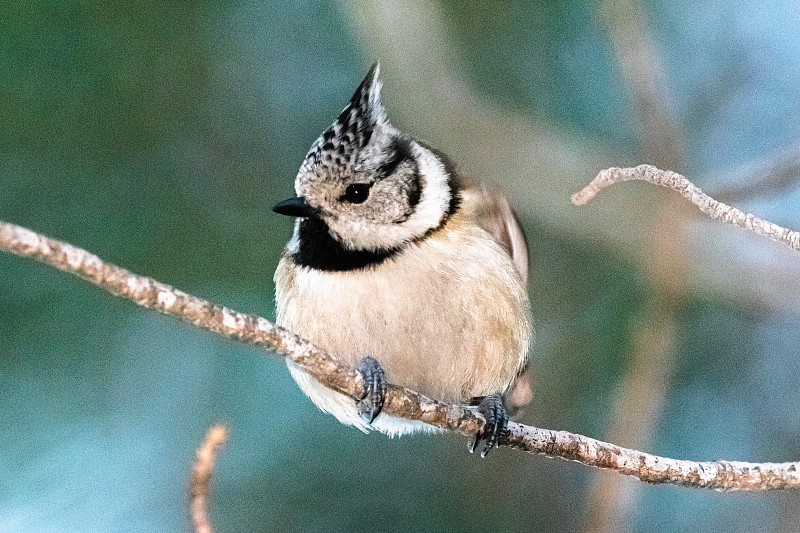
353	128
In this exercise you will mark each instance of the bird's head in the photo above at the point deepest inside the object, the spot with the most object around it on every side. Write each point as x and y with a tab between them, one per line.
374	187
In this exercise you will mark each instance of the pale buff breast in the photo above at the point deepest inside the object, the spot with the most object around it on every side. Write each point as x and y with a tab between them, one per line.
447	317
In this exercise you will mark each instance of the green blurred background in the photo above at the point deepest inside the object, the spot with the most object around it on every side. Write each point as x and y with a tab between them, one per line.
159	134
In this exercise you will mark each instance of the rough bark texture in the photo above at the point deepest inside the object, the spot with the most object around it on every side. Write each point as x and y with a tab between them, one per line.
691	192
721	475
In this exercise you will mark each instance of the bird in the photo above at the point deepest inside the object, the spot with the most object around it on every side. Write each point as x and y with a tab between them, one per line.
407	269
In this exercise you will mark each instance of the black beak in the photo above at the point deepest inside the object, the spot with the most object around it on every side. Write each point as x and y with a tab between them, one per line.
295	207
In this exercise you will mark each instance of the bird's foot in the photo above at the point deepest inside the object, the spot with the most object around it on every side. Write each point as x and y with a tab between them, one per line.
371	404
496	415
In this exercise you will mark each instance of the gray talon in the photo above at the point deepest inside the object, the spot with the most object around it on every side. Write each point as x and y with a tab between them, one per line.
371	404
496	415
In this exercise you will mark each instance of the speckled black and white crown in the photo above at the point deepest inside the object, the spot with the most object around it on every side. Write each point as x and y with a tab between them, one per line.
337	147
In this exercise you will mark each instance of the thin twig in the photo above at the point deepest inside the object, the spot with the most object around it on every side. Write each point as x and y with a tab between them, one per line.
690	191
201	478
148	293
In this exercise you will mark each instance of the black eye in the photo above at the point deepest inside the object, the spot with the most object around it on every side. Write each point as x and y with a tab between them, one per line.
356	193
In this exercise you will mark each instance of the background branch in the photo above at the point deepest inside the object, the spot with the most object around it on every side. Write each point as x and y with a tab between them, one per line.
640	395
771	175
201	478
151	294
432	95
690	191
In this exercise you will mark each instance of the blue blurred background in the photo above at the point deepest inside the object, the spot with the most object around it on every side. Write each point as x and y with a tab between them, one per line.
159	134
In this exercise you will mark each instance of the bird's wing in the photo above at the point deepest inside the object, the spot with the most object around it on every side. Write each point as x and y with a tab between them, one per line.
494	214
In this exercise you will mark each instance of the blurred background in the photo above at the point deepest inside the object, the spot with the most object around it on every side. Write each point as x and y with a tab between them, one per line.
159	134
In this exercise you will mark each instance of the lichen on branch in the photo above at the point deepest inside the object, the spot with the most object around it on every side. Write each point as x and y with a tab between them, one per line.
151	294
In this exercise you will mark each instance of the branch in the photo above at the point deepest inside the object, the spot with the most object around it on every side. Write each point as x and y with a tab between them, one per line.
148	293
691	192
201	478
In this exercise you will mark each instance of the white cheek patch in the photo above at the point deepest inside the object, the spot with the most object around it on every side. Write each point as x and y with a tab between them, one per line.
294	243
436	194
434	202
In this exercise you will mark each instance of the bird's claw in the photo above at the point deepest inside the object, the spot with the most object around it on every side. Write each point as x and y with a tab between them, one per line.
496	415
371	403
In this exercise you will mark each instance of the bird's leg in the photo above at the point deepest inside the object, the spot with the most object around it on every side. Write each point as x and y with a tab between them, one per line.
496	415
371	403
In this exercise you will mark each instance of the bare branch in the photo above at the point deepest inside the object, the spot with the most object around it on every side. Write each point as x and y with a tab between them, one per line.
720	475
201	478
690	191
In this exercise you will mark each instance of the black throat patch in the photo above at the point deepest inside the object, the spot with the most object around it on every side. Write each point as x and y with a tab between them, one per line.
317	249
